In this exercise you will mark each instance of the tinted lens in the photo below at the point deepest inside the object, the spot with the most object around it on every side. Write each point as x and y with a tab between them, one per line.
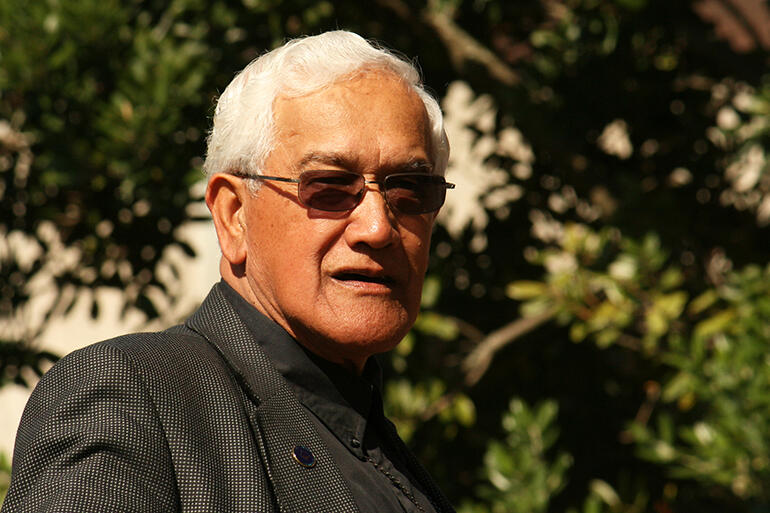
415	193
333	191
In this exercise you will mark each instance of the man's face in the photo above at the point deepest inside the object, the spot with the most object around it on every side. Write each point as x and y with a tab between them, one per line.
346	284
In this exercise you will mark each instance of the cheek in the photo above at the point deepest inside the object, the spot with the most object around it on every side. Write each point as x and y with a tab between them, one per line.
299	263
279	254
416	241
301	253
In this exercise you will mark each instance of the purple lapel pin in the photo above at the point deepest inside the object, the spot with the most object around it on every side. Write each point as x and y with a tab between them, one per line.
303	456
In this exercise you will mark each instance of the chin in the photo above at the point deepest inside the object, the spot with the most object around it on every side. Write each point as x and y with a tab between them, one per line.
355	329
367	340
378	341
381	326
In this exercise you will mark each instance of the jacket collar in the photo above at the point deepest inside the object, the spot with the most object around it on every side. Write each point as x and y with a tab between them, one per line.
220	324
280	424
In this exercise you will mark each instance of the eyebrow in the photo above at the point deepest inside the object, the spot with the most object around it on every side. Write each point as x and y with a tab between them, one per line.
334	158
339	159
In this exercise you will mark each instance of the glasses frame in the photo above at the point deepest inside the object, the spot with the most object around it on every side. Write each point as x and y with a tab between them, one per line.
381	183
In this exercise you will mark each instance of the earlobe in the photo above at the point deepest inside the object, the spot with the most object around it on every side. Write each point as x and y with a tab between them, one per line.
224	197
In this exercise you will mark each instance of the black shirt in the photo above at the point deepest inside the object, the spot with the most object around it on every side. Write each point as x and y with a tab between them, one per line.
347	412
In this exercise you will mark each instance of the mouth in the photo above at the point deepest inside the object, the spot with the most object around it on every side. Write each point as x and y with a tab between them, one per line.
357	277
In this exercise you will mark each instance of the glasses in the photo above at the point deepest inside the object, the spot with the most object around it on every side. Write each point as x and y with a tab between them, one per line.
337	191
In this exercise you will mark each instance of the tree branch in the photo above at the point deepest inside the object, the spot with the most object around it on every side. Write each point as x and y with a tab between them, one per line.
438	406
477	362
462	47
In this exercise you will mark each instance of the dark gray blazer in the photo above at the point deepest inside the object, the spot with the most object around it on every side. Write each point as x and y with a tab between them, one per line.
192	419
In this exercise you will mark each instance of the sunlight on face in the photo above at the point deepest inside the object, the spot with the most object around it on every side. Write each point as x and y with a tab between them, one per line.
346	285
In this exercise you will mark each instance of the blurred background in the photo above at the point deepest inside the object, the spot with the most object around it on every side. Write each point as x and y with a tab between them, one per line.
596	317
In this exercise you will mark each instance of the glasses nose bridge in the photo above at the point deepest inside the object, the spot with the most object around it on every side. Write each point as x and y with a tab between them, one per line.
380	189
380	184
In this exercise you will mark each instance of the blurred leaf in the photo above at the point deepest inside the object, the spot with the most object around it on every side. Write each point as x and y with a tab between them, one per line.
522	290
703	301
717	323
436	325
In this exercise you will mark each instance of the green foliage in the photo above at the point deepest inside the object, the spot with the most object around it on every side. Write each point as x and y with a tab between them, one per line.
519	475
97	146
606	286
714	368
721	374
411	403
603	498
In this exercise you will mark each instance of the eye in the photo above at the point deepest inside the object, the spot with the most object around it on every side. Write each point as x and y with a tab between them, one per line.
415	193
330	190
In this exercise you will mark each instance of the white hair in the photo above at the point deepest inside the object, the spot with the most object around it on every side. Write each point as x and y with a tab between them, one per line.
242	135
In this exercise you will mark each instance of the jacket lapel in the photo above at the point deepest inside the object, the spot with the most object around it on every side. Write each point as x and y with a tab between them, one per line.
281	425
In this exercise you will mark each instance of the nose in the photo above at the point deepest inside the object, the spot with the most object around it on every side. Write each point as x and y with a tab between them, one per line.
371	222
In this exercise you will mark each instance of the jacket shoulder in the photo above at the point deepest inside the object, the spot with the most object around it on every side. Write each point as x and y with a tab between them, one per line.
89	438
181	371
170	361
154	416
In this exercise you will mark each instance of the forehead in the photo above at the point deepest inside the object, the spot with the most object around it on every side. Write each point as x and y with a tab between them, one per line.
368	122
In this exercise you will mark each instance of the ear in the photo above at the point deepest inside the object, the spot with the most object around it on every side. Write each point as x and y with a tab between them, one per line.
225	197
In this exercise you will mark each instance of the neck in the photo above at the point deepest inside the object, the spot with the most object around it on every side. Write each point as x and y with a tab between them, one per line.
236	278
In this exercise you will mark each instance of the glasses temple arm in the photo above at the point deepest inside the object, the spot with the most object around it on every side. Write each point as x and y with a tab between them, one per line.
265	177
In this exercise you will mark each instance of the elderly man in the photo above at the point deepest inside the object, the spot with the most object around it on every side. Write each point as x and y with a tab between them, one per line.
325	168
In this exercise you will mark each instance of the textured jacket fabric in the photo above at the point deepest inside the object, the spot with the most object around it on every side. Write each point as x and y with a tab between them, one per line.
193	419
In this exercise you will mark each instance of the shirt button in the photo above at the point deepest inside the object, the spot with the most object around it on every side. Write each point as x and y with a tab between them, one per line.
355	443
